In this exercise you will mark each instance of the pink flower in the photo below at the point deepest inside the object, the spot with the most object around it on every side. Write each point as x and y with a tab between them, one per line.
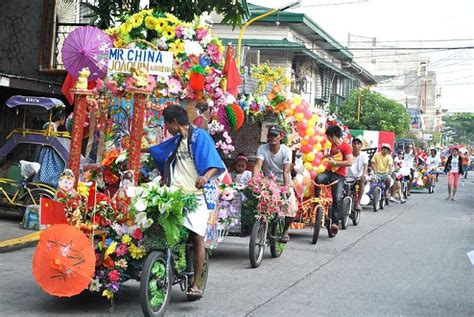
179	31
201	33
213	52
113	276
174	86
121	250
137	234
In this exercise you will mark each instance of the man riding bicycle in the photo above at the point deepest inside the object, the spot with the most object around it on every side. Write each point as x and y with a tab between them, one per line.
433	163
189	161
359	167
409	159
340	157
275	158
382	165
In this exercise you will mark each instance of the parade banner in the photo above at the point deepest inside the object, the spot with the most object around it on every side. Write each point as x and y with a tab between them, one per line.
156	62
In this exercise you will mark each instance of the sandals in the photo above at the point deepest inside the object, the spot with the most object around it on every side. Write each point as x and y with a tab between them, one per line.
194	294
334	229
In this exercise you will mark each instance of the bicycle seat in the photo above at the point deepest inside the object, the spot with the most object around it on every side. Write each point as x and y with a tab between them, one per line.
350	180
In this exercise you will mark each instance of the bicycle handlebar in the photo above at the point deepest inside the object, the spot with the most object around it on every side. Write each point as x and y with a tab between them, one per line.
325	185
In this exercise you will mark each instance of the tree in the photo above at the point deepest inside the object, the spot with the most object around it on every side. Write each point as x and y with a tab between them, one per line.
462	124
105	12
376	113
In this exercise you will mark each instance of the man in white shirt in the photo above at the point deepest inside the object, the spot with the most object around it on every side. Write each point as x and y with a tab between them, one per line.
359	166
409	159
433	162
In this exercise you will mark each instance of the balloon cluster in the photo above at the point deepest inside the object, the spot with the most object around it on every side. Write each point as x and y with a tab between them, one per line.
311	128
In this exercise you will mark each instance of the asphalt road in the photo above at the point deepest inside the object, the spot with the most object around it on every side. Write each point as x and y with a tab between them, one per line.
407	260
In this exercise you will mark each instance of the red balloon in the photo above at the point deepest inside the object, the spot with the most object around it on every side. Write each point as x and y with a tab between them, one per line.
313	174
306	148
302	126
312	140
299	108
302	132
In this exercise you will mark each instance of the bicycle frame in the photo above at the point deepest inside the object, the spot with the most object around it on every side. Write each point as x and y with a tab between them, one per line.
19	193
324	201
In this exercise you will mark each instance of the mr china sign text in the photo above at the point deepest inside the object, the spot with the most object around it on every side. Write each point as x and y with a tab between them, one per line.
156	62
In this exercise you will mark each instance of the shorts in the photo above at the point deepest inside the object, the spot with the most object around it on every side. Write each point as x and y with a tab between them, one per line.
197	221
384	176
453	179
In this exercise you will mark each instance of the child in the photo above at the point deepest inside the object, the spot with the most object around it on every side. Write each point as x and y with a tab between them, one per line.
240	175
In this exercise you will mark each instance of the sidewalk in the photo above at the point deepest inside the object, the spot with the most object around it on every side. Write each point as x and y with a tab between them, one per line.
9	226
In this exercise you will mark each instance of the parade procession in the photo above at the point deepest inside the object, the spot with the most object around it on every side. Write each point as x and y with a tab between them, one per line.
179	161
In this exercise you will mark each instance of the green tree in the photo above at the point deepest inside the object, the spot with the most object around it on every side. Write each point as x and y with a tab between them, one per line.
105	12
462	124
376	113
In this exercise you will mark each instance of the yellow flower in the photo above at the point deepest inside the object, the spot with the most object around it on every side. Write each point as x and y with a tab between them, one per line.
110	249
168	32
126	239
82	189
136	20
171	18
125	28
146	12
161	23
136	252
177	47
118	43
107	293
151	22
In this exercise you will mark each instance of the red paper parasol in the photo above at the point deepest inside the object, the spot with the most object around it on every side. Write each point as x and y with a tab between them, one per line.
86	46
64	261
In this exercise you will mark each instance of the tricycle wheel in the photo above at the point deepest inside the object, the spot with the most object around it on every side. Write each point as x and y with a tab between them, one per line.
257	243
377	197
190	268
276	231
35	197
317	224
155	284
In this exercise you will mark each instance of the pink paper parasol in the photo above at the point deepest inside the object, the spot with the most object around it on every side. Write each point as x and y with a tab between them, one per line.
86	46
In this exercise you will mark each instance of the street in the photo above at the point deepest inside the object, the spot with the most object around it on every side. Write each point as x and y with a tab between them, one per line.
405	260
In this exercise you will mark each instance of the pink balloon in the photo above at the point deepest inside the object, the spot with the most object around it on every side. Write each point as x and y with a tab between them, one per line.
307	114
302	126
313	174
300	108
319	155
312	141
316	162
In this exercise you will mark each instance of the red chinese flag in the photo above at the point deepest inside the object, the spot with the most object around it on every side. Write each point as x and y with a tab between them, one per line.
231	72
52	212
68	84
92	200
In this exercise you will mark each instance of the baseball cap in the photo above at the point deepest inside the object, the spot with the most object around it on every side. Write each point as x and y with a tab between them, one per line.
358	138
386	145
274	129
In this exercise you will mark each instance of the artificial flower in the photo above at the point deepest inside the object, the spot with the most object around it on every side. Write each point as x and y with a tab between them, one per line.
95	285
114	276
179	31
108	262
151	22
126	239
110	249
172	19
177	47
107	293
174	86
189	33
161	23
121	250
136	20
137	234
206	40
122	263
168	32
161	43
136	252
201	33
193	48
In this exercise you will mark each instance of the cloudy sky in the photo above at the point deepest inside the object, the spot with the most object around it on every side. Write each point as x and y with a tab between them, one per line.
413	23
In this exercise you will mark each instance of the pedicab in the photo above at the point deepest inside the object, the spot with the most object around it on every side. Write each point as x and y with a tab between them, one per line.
21	185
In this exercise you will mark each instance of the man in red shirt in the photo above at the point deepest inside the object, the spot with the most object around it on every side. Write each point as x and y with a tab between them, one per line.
339	158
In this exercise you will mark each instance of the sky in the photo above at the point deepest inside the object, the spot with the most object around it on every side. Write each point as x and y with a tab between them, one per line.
423	23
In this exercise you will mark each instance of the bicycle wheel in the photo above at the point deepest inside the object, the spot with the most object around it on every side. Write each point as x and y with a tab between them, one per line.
190	268
155	285
405	190
276	231
257	243
317	224
376	198
355	217
346	210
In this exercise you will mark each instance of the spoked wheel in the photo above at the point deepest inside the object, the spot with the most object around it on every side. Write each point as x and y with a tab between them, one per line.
346	211
155	285
405	190
257	243
328	227
190	268
382	202
355	215
317	224
35	197
276	231
377	195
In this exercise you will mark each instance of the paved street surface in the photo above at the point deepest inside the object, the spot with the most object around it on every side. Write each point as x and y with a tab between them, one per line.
406	260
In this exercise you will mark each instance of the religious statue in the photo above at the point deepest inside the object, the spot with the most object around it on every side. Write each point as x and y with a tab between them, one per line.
81	83
120	199
140	76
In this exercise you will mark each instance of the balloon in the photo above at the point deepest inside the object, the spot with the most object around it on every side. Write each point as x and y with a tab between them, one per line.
304	141
299	189
310	157
299	109
319	155
321	168
365	199
327	145
302	126
306	148
302	132
307	192
297	100
316	162
313	174
310	131
308	166
312	141
307	114
318	147
299	116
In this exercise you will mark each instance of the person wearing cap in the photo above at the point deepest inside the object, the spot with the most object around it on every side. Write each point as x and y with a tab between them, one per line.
339	159
409	159
382	165
359	166
276	158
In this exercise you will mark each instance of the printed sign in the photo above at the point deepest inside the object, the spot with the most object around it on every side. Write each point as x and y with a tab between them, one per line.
294	138
156	62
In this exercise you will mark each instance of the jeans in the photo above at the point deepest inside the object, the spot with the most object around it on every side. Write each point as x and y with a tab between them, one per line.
337	193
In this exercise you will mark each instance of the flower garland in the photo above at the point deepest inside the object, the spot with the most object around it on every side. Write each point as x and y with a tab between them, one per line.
266	74
269	194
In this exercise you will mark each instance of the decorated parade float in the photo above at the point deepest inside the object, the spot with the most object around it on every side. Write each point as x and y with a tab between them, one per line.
111	220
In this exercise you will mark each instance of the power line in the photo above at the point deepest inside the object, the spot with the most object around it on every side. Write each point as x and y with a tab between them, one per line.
412	41
334	4
408	48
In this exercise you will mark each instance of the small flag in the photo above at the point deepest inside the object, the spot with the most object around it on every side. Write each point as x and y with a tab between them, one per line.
51	212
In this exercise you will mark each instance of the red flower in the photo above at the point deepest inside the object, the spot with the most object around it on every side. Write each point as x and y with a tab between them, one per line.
108	262
109	177
137	234
113	276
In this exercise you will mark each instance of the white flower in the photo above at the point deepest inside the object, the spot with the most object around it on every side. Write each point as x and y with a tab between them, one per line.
206	40
162	79
189	33
142	220
193	48
161	43
122	157
95	285
133	191
140	204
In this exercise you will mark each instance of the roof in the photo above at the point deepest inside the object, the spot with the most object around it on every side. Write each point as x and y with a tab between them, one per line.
305	26
44	102
364	73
